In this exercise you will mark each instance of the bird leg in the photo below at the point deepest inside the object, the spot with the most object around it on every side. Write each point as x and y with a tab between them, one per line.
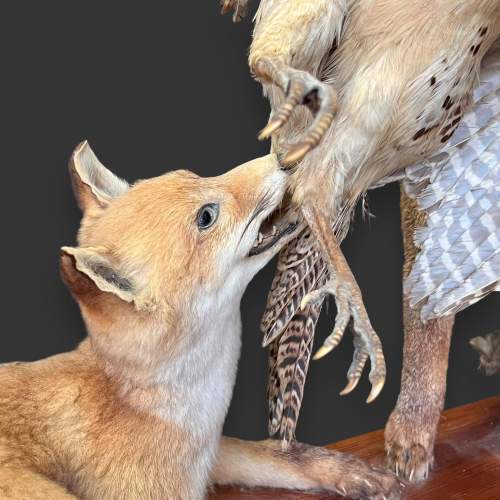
240	8
411	429
300	88
291	42
350	308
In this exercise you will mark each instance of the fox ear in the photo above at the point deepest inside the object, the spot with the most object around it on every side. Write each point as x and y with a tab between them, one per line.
89	272
93	184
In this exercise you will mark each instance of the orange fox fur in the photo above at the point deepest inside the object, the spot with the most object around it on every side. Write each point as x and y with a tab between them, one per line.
136	411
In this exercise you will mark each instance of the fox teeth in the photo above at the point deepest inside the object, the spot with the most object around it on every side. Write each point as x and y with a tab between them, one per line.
260	238
274	231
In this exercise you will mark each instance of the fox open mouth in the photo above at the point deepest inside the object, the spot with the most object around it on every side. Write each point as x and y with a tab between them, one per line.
275	227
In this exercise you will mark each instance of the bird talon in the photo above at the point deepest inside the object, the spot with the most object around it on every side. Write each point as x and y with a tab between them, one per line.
305	302
314	297
376	389
301	89
366	342
321	352
225	6
351	385
269	129
298	151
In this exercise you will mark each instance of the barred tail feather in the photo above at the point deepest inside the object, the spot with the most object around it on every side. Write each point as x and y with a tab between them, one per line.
293	298
294	263
290	332
274	392
293	359
300	265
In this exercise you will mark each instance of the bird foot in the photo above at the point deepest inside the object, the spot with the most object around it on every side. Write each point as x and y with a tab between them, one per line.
240	8
350	309
300	88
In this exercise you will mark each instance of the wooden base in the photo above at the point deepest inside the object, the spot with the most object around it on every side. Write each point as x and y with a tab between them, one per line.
467	462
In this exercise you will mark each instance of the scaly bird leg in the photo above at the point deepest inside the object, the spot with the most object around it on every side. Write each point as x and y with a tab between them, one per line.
291	39
350	307
300	88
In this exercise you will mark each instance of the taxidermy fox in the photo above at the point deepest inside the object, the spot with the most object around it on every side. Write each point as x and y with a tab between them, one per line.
136	411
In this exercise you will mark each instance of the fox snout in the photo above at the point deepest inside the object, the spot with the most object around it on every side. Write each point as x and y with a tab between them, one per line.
258	184
276	223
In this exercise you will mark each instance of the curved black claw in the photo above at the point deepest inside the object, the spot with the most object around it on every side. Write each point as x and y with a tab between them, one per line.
366	342
300	88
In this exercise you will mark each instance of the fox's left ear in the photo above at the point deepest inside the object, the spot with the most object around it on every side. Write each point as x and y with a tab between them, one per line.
90	272
94	185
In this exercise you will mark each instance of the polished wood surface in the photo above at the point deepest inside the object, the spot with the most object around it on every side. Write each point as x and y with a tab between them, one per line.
467	459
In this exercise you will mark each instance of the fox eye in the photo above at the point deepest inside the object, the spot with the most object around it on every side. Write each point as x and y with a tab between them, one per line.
207	215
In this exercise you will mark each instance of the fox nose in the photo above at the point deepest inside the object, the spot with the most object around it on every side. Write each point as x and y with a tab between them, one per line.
263	172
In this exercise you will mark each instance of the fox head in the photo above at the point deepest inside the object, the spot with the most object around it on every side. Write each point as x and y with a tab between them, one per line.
159	258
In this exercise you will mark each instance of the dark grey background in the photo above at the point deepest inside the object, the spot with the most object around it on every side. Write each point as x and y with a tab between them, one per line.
155	86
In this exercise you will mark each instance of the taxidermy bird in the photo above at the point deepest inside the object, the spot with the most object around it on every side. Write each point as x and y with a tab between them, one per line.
488	348
364	92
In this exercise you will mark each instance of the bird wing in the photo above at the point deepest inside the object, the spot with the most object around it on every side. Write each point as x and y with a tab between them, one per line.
459	190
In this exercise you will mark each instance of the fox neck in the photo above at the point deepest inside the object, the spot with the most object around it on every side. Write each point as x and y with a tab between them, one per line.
201	378
187	376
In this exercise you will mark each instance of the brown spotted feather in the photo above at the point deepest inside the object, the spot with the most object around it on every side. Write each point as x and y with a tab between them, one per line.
292	298
299	267
290	331
274	392
294	354
287	277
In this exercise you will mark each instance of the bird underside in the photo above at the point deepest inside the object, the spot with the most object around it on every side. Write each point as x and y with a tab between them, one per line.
306	57
460	183
458	261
